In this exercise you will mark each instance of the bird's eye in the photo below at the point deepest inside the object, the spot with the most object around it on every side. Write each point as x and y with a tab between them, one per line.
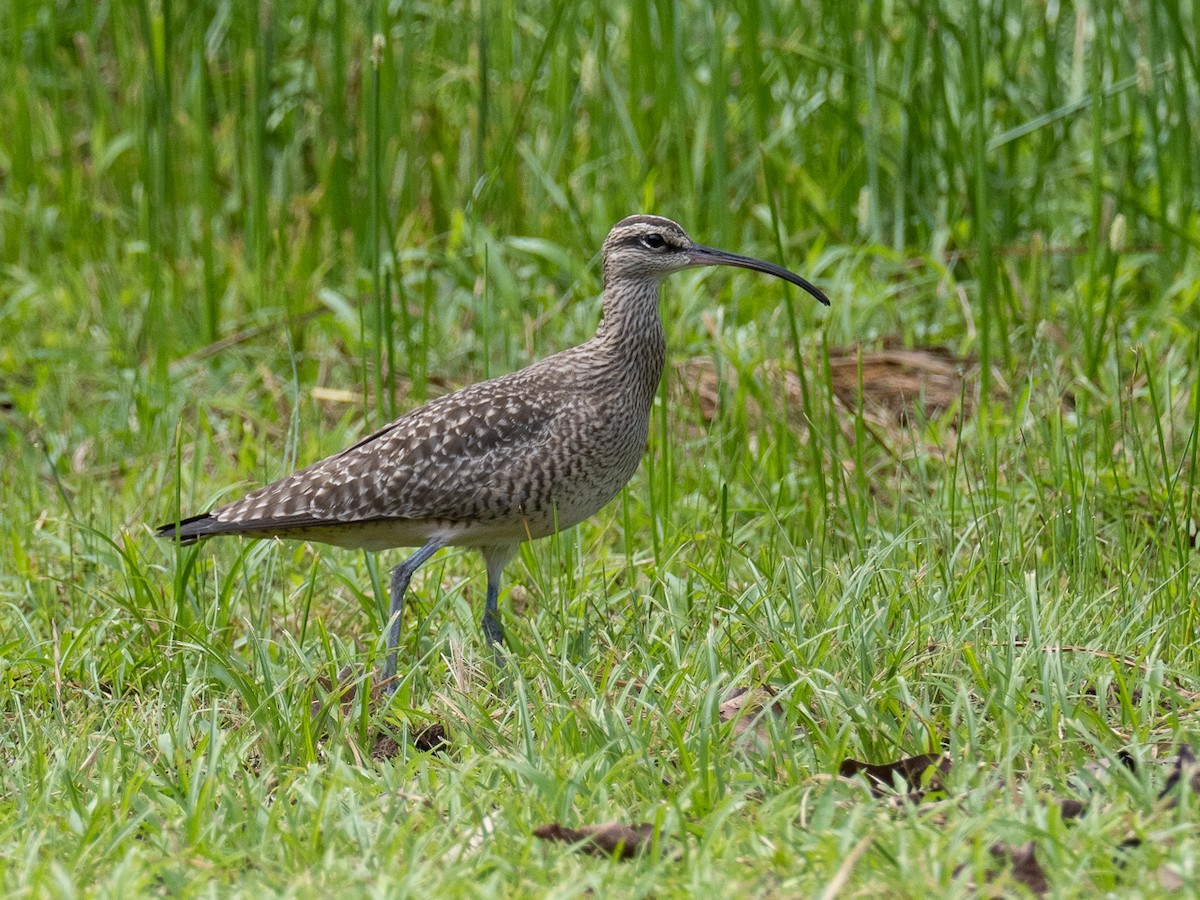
653	241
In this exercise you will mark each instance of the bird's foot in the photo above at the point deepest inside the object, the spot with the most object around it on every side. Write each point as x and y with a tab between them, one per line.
388	682
494	635
492	630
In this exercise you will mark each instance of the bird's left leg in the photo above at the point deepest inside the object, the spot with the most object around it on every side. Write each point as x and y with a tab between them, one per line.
401	576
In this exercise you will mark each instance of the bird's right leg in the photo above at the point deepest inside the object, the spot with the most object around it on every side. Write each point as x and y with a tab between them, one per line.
401	576
496	558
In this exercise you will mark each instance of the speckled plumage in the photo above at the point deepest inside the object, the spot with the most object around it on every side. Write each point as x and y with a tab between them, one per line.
501	461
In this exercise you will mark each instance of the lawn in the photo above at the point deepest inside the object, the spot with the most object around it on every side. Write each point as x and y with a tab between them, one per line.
954	516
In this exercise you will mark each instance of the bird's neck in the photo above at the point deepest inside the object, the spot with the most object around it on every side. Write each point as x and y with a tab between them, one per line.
631	335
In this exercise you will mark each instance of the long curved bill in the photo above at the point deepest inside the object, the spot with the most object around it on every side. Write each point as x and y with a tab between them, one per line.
710	256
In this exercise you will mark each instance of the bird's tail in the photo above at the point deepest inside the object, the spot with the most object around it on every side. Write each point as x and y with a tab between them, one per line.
190	530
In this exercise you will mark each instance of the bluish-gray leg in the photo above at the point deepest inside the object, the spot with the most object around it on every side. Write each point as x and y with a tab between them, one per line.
491	615
401	576
496	559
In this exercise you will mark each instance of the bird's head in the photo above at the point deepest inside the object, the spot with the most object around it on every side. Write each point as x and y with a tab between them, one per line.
651	248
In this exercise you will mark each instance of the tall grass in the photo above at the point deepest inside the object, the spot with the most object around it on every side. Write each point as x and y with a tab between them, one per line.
234	237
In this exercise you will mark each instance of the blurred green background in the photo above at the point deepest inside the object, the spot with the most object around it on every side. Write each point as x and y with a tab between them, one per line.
175	172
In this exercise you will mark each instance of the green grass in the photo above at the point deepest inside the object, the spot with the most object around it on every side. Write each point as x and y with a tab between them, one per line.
233	239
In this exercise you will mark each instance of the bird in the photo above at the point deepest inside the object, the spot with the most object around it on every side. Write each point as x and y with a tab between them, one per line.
502	461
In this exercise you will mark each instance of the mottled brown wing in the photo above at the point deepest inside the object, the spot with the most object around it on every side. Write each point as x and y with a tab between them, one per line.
455	458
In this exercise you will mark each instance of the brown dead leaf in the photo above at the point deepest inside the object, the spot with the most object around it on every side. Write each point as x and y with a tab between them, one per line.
1185	776
744	707
1168	880
430	738
1026	869
1070	809
386	747
896	381
612	839
922	774
1022	864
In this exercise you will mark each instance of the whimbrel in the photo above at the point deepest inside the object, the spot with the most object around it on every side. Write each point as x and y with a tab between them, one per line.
502	461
